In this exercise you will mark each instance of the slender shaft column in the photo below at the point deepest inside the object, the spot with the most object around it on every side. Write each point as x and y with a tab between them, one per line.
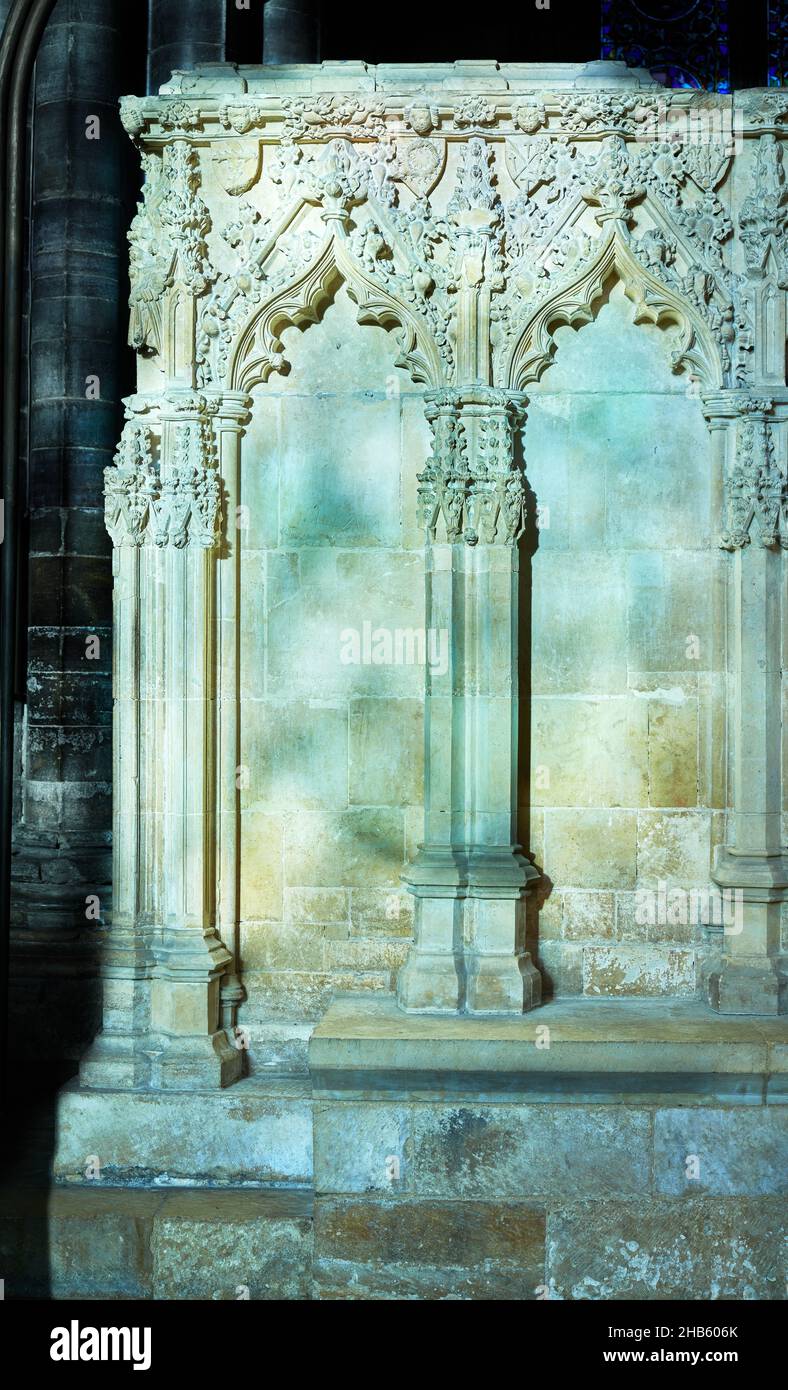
234	412
753	862
118	1057
470	877
190	956
121	1054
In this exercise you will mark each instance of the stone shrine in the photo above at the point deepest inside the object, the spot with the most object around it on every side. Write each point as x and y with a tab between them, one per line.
448	519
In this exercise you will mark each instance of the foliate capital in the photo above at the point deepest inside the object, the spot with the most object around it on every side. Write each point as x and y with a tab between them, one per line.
179	505
473	481
756	488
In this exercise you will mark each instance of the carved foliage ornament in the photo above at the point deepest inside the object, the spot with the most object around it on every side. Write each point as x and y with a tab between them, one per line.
526	250
167	240
472	480
179	508
763	221
756	489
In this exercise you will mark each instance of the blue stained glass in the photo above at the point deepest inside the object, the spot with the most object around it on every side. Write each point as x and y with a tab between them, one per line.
684	41
777	75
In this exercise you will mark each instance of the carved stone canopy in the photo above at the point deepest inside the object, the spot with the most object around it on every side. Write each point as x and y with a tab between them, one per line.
470	208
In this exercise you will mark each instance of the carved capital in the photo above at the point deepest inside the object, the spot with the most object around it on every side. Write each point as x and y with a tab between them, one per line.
756	489
131	486
472	479
179	505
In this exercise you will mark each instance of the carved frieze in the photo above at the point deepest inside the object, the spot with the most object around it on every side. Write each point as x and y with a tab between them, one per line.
471	223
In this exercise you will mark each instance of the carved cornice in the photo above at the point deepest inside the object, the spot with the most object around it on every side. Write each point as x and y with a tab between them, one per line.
643	113
505	238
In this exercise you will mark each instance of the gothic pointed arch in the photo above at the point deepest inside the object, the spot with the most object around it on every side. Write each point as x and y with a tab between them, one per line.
257	349
576	300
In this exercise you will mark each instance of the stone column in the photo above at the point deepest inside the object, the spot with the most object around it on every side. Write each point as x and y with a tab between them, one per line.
230	419
61	866
470	877
753	863
189	954
184	35
291	31
120	1055
176	601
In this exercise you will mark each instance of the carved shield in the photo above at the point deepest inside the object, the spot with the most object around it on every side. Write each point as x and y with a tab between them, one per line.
240	170
422	162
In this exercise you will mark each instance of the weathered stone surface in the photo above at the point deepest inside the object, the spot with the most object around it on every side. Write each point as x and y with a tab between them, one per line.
226	1246
261	886
637	970
723	1152
682	1250
672	754
253	1132
589	752
674	848
471	1152
433	1250
386	752
101	1248
591	848
296	756
381	910
357	848
80	1241
587	916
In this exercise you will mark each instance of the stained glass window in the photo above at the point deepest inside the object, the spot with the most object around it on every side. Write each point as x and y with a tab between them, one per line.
683	42
778	43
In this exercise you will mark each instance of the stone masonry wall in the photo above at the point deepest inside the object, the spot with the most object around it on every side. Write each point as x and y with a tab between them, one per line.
627	760
627	766
331	736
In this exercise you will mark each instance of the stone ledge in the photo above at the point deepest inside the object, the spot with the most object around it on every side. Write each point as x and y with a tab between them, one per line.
646	1052
257	1133
472	74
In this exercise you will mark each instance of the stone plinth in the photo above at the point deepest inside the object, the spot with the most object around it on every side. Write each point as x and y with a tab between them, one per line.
455	1159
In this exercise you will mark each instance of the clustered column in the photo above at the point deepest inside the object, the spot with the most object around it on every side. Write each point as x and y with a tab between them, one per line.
61	866
169	511
470	878
752	863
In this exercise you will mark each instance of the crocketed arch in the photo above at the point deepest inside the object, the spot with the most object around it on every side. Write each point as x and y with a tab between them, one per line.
258	349
576	303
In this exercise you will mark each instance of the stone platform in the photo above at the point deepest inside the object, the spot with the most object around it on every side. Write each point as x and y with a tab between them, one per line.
642	1154
591	1150
566	1052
